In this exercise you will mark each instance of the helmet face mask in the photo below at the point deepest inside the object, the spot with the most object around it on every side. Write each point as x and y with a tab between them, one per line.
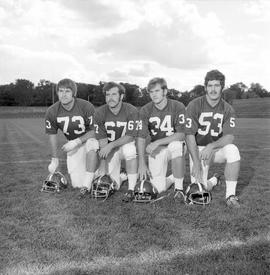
201	198
144	192
195	194
54	183
103	187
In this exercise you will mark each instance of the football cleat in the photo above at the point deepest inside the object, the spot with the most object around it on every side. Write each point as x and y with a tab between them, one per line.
129	196
145	192
103	187
195	194
54	183
232	201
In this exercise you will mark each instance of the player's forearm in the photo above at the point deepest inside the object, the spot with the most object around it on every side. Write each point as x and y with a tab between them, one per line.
174	137
223	141
192	148
141	149
53	144
103	166
122	141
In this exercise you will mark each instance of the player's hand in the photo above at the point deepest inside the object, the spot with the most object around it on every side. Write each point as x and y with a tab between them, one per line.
53	165
197	172
144	172
71	145
206	154
106	150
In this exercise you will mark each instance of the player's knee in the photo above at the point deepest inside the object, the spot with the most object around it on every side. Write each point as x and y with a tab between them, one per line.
231	153
177	149
92	145
129	151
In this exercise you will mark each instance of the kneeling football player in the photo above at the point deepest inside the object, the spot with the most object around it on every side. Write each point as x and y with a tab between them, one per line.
74	117
116	129
163	120
210	125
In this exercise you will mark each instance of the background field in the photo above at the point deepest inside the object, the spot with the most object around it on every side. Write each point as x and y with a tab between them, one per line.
60	234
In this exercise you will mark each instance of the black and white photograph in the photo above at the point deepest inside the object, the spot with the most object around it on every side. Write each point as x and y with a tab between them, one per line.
134	137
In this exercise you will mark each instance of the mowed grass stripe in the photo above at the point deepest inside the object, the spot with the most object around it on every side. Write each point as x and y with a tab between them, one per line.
31	132
27	139
139	262
12	134
20	151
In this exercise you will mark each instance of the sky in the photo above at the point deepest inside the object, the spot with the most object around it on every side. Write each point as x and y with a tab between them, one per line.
132	41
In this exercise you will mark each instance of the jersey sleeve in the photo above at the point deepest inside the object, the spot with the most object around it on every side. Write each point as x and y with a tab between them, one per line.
192	123
51	127
132	123
100	129
89	111
229	120
143	131
179	121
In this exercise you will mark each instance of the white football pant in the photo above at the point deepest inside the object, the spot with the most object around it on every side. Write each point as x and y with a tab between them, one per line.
76	165
228	154
125	152
158	166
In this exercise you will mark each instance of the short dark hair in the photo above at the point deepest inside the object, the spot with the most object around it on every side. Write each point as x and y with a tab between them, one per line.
215	75
157	80
111	84
67	83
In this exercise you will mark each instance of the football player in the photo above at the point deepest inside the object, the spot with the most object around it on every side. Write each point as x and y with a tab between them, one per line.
210	125
74	117
116	123
163	122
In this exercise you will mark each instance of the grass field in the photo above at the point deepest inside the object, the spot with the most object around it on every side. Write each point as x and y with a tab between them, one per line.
252	107
44	233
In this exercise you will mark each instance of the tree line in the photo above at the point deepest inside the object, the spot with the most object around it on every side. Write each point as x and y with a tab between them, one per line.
24	93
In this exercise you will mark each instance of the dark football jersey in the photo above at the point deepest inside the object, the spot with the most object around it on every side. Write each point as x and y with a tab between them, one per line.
111	126
209	123
162	123
74	123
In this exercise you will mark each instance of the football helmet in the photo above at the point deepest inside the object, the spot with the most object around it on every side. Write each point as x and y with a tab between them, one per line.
144	192
195	194
103	187
55	182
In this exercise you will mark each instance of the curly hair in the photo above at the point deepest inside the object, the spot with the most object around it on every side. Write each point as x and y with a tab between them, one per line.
215	75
